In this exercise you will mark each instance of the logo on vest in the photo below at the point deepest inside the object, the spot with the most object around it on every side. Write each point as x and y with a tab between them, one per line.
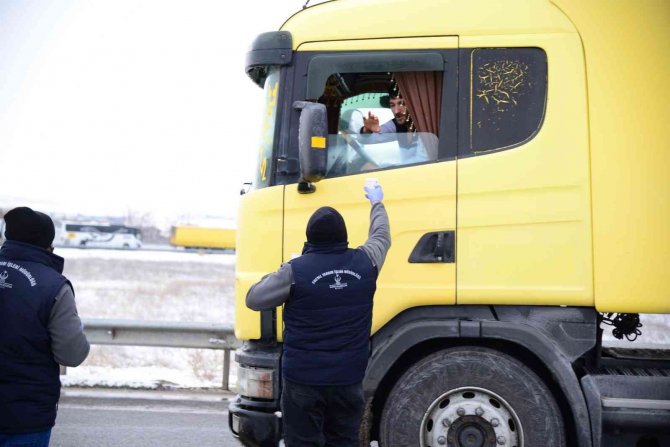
338	284
29	276
4	285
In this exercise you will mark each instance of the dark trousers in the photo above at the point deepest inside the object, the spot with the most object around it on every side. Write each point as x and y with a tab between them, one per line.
321	416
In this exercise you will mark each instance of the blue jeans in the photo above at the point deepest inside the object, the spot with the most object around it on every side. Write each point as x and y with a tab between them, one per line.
39	439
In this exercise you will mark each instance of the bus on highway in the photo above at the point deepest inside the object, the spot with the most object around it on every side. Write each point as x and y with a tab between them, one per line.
100	236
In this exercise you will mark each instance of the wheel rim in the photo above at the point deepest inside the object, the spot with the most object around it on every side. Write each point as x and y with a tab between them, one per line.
471	417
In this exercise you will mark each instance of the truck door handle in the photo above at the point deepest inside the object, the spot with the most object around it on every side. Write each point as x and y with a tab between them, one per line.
434	247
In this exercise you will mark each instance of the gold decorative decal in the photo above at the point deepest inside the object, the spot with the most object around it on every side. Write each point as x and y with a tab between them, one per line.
263	169
500	83
508	94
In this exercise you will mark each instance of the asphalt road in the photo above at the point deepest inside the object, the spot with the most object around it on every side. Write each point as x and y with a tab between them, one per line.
118	418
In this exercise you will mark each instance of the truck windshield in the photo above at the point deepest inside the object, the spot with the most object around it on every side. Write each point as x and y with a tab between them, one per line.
265	146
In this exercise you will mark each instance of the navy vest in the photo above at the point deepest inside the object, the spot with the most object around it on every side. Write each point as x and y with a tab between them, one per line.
327	319
30	279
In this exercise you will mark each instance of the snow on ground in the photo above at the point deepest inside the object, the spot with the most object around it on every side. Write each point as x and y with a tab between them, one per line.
141	377
151	285
184	286
169	255
655	334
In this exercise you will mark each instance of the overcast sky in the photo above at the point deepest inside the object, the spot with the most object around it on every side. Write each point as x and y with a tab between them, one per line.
111	106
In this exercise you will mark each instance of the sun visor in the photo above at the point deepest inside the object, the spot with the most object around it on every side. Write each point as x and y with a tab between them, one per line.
273	48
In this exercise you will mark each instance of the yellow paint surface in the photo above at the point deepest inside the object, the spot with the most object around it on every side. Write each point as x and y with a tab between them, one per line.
413	208
627	52
259	238
384	19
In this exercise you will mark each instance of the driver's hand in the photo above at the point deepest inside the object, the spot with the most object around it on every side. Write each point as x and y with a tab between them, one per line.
371	123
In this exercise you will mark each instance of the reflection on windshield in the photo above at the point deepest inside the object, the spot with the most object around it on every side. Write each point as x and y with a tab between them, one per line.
267	129
352	153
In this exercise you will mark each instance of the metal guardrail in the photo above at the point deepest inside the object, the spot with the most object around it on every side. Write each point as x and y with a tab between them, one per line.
171	334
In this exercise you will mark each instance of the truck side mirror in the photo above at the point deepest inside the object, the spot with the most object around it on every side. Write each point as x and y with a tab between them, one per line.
312	142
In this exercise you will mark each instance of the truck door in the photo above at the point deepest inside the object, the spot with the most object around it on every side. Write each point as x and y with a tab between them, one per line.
524	222
417	168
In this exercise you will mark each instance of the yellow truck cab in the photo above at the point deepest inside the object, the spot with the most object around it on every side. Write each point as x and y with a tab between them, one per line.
528	199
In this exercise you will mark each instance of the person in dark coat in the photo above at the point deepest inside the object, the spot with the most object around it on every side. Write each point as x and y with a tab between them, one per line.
327	294
39	329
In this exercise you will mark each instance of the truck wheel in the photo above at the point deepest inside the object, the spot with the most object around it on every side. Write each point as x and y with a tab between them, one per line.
471	397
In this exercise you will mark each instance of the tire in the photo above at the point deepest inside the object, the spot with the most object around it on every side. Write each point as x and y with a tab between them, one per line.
471	396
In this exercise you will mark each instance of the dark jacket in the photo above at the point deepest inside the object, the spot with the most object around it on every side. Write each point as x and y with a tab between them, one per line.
327	319
30	280
319	323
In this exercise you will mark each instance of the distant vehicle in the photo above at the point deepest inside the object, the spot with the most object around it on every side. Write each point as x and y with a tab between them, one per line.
100	236
201	237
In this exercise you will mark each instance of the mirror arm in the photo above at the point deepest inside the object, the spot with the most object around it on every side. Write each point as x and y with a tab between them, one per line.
306	187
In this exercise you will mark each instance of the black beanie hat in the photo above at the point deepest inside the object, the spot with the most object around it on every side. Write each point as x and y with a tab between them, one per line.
326	226
22	224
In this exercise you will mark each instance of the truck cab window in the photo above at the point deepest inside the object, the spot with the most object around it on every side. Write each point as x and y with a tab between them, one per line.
381	120
508	95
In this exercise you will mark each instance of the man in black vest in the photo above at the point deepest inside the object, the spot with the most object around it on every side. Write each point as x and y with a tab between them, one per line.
327	295
39	329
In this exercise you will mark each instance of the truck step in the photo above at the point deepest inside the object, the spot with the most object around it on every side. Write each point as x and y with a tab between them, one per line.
639	354
627	409
633	362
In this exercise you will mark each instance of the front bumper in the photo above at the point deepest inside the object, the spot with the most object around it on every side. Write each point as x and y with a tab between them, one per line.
253	420
253	428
